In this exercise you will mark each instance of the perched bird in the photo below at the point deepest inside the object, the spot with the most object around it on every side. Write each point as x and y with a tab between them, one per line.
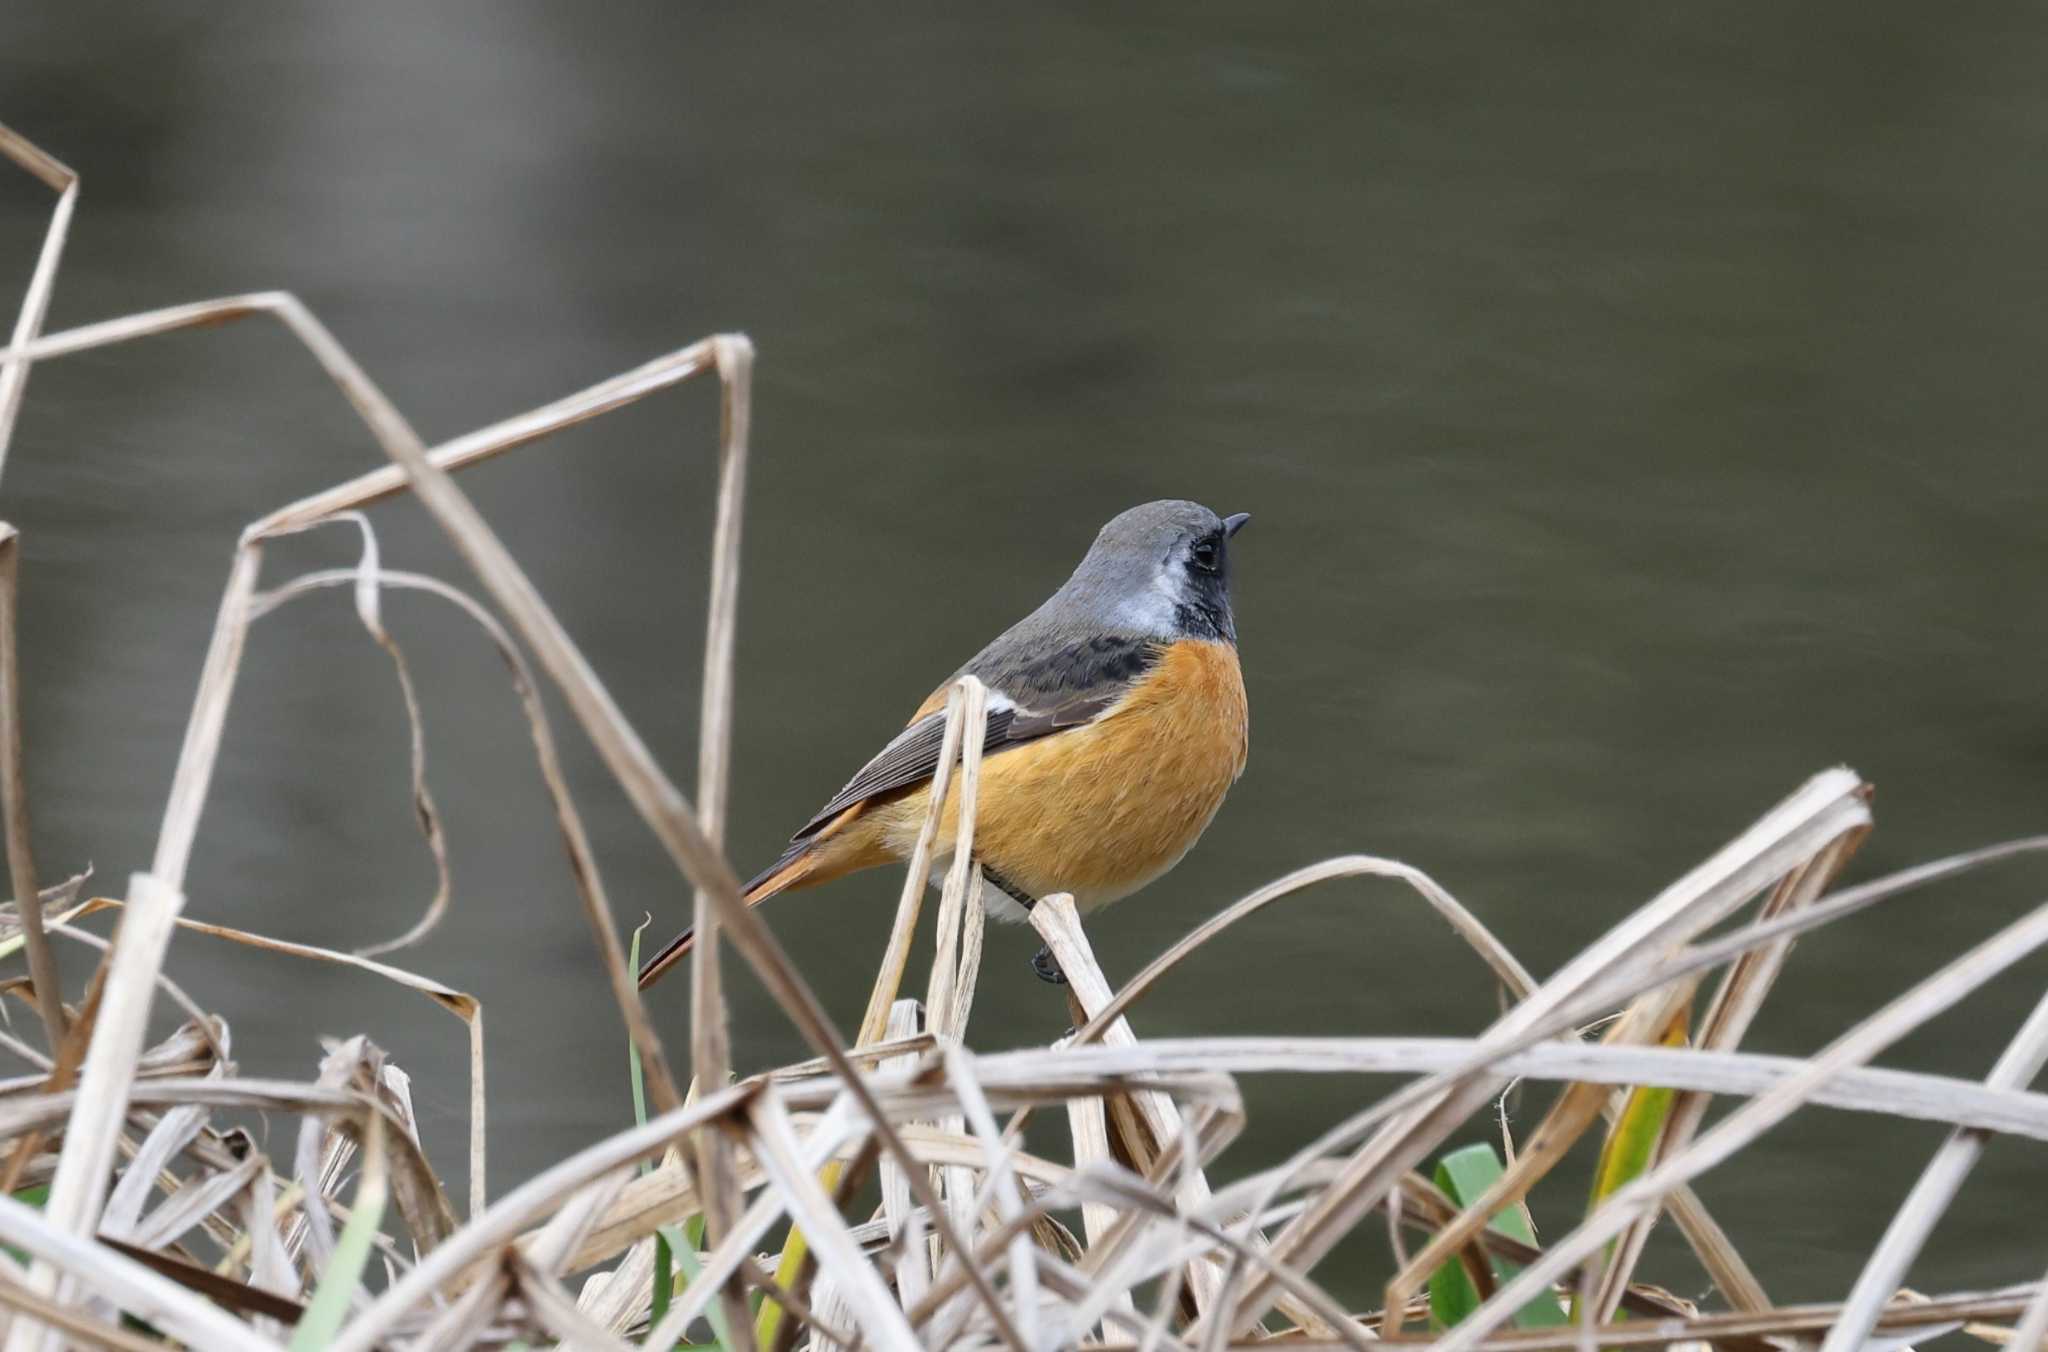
1116	723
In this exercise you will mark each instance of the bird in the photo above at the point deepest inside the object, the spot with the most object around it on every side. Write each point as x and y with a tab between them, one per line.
1117	722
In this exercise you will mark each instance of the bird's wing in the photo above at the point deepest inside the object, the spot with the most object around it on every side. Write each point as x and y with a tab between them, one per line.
1073	684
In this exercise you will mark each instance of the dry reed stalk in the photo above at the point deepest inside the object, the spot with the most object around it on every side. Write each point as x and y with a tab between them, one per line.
462	1005
122	1281
950	993
1788	1322
90	1332
558	1314
1706	1237
1931	1195
731	356
1088	1126
1823	809
21	868
2031	1332
223	656
1575	1111
1930	997
794	1297
1910	1095
710	1040
101	1102
881	1318
508	1217
1722	950
946	1010
910	901
1003	1183
914	1260
1736	1002
652	793
28	325
35	305
1059	924
736	1248
963	733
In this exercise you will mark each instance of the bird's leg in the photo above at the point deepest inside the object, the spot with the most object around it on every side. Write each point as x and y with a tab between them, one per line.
1043	962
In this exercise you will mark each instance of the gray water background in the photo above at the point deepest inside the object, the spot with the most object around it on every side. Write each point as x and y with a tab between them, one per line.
1640	406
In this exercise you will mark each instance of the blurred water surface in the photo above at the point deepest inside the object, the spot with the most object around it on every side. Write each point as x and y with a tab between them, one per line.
1640	406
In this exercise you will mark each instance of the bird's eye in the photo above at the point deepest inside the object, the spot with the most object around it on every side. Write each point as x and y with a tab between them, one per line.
1204	555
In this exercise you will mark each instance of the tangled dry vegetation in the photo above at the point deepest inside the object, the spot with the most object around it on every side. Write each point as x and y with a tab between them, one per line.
138	1211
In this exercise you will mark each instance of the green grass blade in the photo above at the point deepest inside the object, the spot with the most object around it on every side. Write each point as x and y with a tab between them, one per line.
1632	1141
795	1250
1631	1144
329	1306
634	1073
1465	1175
664	1278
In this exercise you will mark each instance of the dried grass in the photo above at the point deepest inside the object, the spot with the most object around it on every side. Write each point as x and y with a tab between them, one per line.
353	1244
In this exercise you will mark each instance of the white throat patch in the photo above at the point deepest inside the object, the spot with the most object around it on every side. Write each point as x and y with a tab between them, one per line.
1151	610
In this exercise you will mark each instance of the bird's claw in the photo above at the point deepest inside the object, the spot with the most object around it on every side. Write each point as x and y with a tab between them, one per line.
1048	967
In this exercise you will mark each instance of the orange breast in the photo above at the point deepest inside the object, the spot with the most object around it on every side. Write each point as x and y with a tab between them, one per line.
1103	809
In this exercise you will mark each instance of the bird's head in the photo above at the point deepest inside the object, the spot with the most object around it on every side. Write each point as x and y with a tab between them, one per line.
1163	570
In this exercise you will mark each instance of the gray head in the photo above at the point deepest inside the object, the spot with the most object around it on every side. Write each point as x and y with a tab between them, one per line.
1157	571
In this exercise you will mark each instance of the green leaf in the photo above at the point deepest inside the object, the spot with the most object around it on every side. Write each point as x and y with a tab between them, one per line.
1465	1175
1632	1140
329	1306
634	1074
664	1279
795	1249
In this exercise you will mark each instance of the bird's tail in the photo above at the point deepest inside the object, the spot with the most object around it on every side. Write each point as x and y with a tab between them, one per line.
786	872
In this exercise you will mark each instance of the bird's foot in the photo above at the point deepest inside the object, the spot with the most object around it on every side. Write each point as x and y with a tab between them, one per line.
1048	967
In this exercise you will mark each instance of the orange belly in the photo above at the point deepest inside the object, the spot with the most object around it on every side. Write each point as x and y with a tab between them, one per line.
1102	809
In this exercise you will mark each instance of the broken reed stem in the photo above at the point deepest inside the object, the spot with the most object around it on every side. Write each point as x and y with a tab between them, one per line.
943	1006
965	731
1937	1186
663	373
735	359
35	305
1737	1000
910	901
203	731
1059	924
710	1038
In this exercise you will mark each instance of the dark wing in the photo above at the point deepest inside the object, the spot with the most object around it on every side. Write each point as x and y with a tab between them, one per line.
1074	685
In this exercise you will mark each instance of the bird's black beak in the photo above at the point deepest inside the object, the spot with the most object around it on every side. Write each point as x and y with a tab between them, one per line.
1233	524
